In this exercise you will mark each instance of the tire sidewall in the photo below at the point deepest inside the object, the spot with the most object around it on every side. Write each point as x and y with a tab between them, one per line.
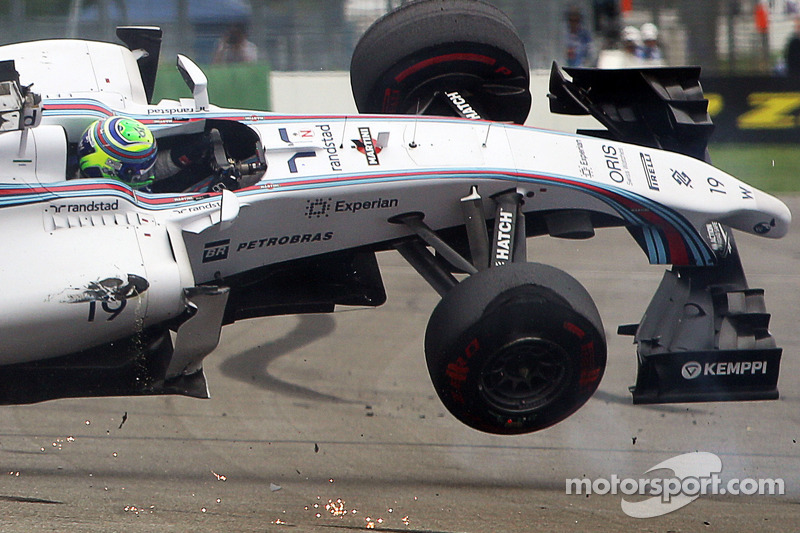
459	371
491	308
433	32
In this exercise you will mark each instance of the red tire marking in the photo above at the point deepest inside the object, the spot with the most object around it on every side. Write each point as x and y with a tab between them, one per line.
575	330
478	58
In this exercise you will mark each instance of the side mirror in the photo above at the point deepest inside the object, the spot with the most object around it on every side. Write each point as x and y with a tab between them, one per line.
195	80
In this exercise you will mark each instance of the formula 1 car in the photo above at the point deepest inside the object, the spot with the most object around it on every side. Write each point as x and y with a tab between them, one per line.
109	290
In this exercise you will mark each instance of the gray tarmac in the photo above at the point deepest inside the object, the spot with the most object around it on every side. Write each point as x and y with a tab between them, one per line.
329	422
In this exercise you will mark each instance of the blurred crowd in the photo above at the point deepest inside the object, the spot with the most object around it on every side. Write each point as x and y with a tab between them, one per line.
629	46
603	34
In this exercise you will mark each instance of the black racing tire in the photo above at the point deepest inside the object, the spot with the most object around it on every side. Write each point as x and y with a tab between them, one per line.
515	349
426	47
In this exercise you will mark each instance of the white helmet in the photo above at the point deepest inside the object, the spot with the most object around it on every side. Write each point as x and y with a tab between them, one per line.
649	32
632	34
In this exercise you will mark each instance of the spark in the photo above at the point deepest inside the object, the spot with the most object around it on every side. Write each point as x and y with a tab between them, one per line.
336	508
219	477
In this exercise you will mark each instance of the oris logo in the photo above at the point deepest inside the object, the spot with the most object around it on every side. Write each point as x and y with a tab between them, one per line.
691	370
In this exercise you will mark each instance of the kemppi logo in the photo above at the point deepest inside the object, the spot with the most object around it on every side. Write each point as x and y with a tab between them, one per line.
693	369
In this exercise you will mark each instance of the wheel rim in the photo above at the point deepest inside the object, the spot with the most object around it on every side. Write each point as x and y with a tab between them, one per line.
525	375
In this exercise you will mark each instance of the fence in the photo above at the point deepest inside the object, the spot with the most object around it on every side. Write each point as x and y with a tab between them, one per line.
311	35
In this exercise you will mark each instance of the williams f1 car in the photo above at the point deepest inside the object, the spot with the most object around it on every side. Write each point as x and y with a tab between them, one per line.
111	290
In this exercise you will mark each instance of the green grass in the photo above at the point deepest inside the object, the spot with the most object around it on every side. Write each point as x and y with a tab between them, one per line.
769	167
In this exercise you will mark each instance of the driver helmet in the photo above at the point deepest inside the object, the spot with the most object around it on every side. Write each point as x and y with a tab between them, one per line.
120	148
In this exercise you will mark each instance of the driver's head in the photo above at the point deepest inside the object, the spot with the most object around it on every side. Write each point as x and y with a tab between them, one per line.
120	148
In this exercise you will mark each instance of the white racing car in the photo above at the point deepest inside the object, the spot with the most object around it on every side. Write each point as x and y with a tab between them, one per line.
113	289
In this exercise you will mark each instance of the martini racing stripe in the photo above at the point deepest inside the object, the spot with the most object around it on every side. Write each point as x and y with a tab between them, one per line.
668	237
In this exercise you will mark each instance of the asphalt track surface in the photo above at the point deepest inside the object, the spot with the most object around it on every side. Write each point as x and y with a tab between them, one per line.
329	423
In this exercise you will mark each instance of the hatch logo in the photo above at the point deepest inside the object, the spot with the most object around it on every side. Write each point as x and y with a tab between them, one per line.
462	106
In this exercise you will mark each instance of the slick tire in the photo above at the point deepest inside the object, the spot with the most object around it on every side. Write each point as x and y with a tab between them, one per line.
426	47
515	349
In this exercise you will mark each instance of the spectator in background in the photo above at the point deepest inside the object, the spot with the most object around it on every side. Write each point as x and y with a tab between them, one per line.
579	40
651	51
632	46
793	51
761	20
607	21
233	47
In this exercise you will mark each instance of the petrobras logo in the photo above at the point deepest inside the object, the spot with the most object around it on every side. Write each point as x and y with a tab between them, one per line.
693	369
282	240
216	251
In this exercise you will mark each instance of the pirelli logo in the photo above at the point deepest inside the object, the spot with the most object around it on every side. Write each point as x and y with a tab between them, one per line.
649	171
